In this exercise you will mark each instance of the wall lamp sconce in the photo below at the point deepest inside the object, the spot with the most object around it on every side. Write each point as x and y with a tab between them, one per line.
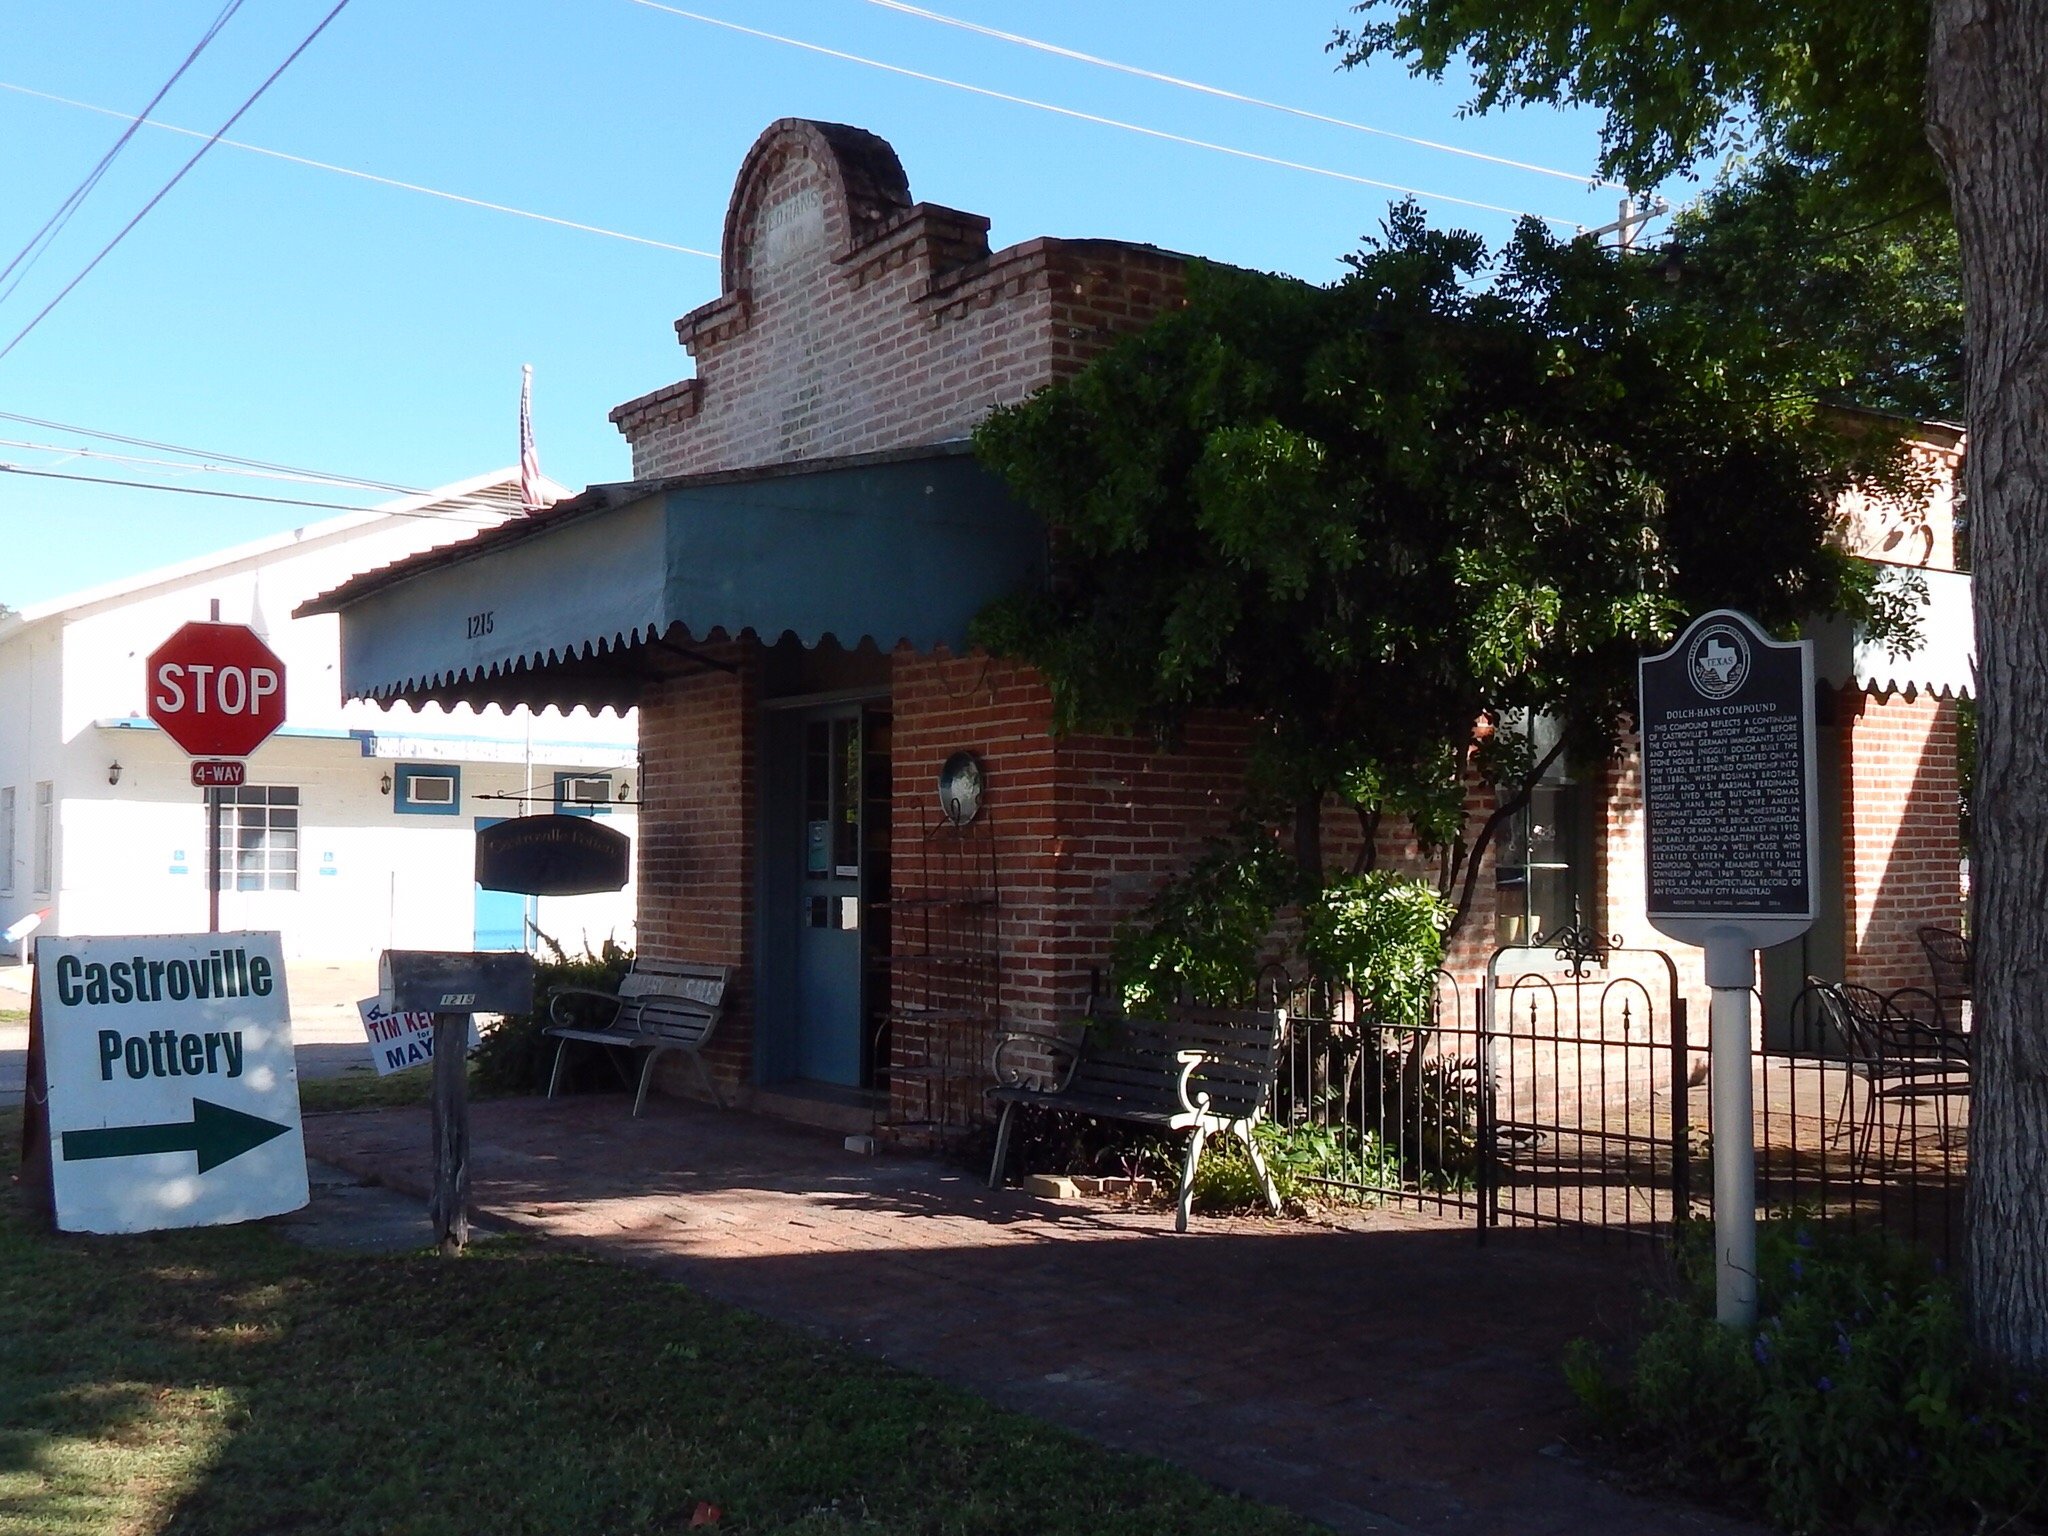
114	771
384	785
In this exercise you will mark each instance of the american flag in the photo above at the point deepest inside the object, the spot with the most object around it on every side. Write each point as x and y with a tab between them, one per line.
529	456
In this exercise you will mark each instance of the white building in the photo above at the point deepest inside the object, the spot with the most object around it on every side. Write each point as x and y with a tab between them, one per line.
356	830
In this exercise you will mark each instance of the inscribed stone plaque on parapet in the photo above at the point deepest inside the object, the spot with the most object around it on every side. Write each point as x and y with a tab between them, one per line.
1728	772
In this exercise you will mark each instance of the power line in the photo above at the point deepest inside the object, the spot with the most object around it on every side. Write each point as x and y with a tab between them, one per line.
382	181
164	191
1582	178
1106	122
53	226
276	501
306	478
229	463
207	453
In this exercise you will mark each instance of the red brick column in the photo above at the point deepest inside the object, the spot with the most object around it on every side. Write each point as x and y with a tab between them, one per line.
698	789
1901	842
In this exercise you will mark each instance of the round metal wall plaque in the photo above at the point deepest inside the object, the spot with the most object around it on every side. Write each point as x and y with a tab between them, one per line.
960	788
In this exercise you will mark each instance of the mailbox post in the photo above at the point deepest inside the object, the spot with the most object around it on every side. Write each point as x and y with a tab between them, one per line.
452	985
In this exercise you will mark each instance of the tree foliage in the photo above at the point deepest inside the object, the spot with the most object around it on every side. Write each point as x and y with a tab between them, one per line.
1451	486
1894	100
1868	312
1816	80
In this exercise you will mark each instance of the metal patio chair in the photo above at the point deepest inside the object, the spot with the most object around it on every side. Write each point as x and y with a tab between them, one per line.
1899	1046
1952	963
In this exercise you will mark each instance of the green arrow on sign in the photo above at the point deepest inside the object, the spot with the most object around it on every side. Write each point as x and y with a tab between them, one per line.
218	1134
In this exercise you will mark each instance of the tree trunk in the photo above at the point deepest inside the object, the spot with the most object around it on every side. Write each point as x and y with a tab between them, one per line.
1987	82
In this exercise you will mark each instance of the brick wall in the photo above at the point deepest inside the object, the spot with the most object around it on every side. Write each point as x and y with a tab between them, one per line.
1916	526
1899	834
698	799
1084	830
855	320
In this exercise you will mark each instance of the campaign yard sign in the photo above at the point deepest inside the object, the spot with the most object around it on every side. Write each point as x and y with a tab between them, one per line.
173	1092
400	1040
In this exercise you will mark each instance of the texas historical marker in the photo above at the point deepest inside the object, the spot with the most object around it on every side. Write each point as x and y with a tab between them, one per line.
1730	816
1728	783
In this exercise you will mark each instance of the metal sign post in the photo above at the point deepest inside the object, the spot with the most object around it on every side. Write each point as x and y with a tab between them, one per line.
212	859
218	691
1731	819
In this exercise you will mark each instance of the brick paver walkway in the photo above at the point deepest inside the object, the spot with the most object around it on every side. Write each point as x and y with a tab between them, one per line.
1390	1375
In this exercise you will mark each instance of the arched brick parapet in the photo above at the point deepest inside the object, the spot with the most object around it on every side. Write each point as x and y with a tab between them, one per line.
859	183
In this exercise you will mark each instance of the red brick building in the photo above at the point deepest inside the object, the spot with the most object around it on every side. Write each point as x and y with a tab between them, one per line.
783	591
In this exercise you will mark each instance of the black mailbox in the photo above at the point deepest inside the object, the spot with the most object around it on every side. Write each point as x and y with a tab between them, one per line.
455	981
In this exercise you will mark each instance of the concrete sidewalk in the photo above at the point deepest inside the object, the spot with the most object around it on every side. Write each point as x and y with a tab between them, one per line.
1387	1374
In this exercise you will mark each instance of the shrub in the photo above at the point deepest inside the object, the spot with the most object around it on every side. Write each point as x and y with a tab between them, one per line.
1203	934
1051	1141
1854	1403
1385	932
514	1056
1308	1163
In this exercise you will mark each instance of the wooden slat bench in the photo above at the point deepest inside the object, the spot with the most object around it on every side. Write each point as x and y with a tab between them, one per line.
661	1005
1205	1071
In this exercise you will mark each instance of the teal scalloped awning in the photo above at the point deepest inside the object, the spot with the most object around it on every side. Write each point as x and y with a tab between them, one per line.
587	602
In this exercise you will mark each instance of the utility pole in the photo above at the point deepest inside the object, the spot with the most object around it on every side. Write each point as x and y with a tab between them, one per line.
1634	218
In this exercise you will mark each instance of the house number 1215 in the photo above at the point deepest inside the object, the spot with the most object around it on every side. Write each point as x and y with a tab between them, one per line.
480	623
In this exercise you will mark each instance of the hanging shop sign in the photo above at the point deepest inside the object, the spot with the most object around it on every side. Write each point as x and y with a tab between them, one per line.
173	1096
552	856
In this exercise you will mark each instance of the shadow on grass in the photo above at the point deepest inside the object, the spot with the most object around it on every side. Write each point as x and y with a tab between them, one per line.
225	1381
1385	1369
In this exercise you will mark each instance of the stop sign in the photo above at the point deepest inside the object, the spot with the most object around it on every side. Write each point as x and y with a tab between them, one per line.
216	689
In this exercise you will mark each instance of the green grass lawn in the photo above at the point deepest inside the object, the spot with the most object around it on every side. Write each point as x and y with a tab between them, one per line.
366	1090
226	1381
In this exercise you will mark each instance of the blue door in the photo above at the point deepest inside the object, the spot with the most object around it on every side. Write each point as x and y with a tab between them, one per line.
829	910
501	916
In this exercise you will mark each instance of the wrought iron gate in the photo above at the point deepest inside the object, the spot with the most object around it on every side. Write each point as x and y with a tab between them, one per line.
1554	1094
1584	1066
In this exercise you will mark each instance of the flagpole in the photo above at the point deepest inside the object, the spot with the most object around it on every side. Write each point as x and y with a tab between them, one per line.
529	456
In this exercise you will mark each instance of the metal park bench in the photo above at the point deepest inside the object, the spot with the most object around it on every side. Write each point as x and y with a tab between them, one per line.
1206	1071
661	1005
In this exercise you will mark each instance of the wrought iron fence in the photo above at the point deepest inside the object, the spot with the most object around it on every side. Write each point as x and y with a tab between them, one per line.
1394	1110
1859	1131
1589	1121
1567	1089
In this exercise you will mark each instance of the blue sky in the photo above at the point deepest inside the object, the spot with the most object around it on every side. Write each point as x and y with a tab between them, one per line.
278	312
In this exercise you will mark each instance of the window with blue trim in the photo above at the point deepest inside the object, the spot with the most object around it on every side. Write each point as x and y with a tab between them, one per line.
583	794
426	789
